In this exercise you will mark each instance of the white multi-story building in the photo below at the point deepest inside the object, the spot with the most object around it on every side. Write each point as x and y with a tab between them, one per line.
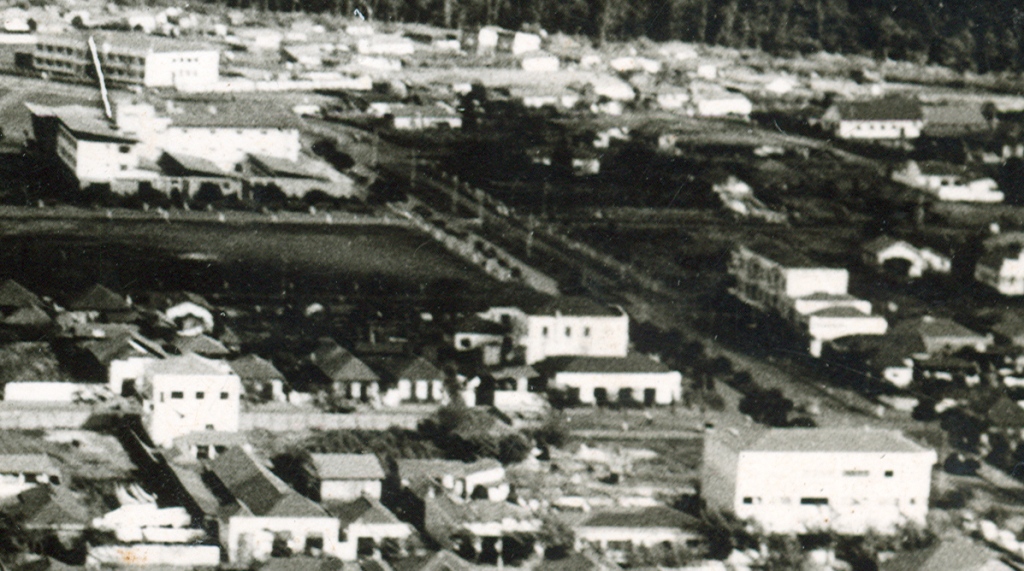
812	298
189	394
129	58
566	326
948	182
807	480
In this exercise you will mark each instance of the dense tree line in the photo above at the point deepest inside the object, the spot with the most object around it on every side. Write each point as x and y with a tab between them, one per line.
980	35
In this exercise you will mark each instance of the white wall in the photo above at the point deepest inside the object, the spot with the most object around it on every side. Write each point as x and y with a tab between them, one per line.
859	493
167	418
879	129
345	490
194	68
94	161
154	554
46	391
226	147
564	335
245	530
132	368
667	386
801	282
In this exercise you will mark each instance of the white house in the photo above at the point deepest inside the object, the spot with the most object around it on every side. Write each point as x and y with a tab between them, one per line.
19	472
540	62
616	532
889	118
188	394
1002	269
461	480
566	326
725	104
807	480
812	298
364	524
884	250
598	380
385	45
948	182
130	58
346	477
409	117
260	507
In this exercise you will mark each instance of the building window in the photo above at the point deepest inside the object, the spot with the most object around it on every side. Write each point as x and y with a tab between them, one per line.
748	500
586	332
177	395
888	473
200	395
202	452
342	536
223	396
544	331
209	427
856	473
568	331
814	501
124	149
124	167
161	397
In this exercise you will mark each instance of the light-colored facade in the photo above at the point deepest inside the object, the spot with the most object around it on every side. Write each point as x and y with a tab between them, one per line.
807	480
919	260
20	472
1003	274
566	327
189	394
948	184
129	58
617	532
813	299
346	477
598	380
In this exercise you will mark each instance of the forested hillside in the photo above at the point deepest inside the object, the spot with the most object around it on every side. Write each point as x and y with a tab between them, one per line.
978	35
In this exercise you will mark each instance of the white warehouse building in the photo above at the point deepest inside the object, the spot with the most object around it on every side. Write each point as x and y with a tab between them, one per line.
808	480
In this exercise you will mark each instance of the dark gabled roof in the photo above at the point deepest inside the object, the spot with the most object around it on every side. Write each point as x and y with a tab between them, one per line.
881	244
441	561
515	372
257	489
121	345
347	466
398	367
200	345
99	298
1005	413
1010	325
177	164
278	167
193	485
13	294
632	363
255	368
476	324
573	305
940	168
43	507
645	517
362	510
339	365
412	469
885	109
969	116
84	122
926	327
189	364
28	316
958	554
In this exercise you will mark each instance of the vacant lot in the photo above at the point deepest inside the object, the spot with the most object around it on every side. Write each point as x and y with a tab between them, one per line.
62	257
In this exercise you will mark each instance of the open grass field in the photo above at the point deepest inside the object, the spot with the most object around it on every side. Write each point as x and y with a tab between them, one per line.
64	256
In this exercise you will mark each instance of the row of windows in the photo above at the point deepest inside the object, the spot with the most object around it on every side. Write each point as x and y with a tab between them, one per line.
30	478
200	395
568	331
61	50
126	59
185	60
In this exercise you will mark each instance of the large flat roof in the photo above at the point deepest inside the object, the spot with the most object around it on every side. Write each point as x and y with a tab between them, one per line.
135	41
818	440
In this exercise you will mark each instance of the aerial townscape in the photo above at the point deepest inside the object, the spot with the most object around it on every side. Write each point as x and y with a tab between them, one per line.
704	285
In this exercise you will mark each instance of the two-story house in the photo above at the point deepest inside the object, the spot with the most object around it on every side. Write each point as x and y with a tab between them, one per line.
186	394
810	480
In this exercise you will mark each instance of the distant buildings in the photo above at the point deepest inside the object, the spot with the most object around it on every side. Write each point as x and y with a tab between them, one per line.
904	258
129	58
346	477
566	326
889	118
617	532
812	298
948	182
809	480
20	472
